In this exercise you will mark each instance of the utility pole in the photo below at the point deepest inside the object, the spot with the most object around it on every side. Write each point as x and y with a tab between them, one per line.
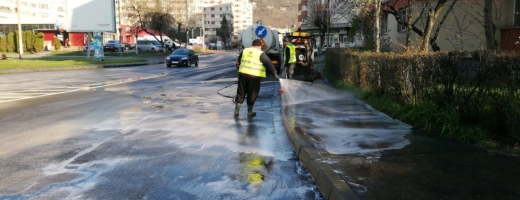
20	44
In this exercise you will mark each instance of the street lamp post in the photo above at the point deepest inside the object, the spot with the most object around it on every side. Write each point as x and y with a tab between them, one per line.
20	44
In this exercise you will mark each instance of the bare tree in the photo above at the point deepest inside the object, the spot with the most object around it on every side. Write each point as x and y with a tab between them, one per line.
158	21
377	25
179	10
322	15
488	15
428	15
154	16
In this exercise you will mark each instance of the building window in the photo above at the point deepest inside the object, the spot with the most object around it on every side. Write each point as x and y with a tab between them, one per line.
304	7
212	8
402	15
384	24
517	13
212	15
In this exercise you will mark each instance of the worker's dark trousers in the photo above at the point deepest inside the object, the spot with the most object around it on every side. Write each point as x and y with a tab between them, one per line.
248	85
290	69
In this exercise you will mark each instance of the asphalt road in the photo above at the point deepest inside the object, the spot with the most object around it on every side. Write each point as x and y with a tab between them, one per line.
144	132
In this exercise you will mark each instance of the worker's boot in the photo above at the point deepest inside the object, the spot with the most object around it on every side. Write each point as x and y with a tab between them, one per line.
237	109
250	112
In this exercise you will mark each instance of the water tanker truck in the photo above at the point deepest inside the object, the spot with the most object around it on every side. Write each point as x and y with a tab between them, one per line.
270	40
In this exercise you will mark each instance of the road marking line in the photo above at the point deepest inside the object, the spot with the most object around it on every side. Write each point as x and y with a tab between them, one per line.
90	86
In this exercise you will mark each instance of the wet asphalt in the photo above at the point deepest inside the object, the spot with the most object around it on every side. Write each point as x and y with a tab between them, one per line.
355	152
381	158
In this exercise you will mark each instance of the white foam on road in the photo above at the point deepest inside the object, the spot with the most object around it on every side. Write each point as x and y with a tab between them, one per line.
298	92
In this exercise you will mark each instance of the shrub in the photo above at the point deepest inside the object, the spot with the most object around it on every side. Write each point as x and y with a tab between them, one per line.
10	42
57	44
3	44
38	42
28	41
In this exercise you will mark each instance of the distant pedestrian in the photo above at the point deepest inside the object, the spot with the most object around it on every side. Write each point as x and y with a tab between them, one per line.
253	64
66	42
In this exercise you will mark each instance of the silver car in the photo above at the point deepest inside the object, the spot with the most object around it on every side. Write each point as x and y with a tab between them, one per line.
149	45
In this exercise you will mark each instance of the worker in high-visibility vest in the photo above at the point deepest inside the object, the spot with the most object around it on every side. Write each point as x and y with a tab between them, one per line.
253	65
289	56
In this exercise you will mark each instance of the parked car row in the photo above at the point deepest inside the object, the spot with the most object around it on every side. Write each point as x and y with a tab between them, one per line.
142	45
113	46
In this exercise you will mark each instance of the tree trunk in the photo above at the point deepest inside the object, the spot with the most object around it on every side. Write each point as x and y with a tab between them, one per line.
378	26
489	26
179	26
409	26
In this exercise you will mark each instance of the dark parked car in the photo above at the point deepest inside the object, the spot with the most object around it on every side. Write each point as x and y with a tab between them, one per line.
113	47
182	57
128	45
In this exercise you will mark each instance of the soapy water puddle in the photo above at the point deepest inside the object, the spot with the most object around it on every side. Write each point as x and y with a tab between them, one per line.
301	92
351	129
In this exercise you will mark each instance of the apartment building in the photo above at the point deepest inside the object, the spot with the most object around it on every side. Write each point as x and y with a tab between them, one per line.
50	15
35	15
238	13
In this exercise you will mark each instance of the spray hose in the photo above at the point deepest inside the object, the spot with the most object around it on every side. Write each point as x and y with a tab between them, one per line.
227	96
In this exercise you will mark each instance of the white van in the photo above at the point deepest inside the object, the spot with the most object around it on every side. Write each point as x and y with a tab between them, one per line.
149	45
169	44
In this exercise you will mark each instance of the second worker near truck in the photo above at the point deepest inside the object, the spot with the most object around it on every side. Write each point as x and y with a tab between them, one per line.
252	65
289	57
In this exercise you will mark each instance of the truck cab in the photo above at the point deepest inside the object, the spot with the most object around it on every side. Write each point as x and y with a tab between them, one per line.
304	43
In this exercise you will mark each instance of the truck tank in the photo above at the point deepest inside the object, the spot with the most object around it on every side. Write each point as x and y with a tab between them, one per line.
272	46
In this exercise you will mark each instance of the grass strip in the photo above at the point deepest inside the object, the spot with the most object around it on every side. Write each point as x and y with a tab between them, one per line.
60	62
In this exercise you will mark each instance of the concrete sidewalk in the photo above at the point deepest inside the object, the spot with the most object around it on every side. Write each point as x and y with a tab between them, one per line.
355	152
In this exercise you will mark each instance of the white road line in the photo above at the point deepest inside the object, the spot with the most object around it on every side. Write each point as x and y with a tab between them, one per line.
73	89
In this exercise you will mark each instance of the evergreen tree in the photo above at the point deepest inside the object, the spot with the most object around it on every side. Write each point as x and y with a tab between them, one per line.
3	41
224	32
10	42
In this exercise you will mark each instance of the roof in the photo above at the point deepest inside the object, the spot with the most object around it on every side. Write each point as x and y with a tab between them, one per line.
397	4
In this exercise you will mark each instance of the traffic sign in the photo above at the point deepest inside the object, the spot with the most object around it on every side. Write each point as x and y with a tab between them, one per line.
261	31
264	46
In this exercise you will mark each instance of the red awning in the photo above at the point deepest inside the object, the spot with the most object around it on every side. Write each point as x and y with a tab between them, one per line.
141	32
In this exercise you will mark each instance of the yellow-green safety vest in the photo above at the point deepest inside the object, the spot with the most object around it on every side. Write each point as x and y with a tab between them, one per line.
250	62
292	51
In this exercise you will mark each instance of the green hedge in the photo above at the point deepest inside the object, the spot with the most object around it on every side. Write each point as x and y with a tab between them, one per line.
445	92
31	42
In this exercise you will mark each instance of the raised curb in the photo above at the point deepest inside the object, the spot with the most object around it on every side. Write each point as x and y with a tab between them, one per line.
330	184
